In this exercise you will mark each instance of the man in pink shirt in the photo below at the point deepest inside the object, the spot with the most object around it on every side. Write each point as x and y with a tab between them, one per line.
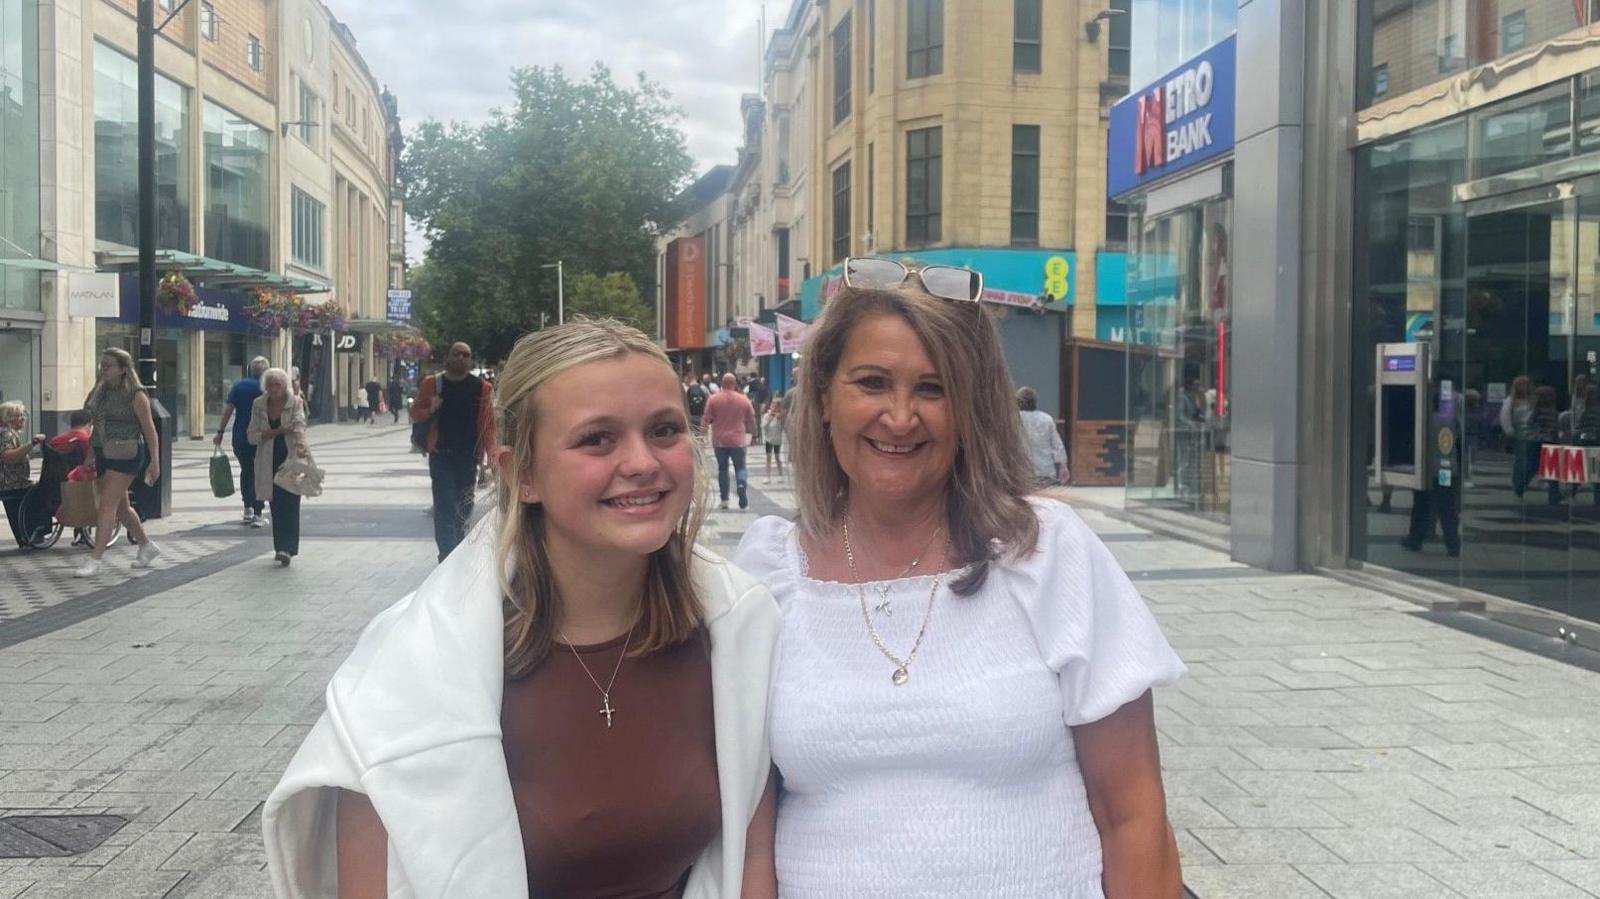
731	419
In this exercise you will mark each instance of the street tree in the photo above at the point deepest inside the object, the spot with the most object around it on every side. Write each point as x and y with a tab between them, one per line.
610	296
575	170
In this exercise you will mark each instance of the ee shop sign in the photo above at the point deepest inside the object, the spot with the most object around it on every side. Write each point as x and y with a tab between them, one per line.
1180	120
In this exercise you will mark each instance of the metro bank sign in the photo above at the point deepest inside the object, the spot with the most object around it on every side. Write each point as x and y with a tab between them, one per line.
1183	119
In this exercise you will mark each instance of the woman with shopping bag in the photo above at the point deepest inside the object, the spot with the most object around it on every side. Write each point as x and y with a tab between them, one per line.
278	431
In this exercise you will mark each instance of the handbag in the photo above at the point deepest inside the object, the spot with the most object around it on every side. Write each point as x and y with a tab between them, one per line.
300	476
120	450
78	507
221	475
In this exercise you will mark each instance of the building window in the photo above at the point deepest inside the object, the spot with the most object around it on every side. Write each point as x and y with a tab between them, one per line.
841	212
310	115
252	53
238	165
1447	53
1514	31
1027	32
306	216
208	21
841	71
924	177
168	6
1025	184
872	240
1116	224
872	45
116	154
1120	44
1380	80
924	38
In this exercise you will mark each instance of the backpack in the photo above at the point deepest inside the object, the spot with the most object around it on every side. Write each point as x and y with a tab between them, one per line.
697	400
419	429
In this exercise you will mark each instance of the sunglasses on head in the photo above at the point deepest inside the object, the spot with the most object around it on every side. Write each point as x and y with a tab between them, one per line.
948	282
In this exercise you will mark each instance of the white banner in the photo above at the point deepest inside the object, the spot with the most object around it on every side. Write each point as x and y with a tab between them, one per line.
763	340
791	334
93	296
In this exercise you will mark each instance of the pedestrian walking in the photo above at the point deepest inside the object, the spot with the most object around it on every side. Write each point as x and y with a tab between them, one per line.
538	718
16	466
125	447
1046	453
241	400
363	407
374	392
458	408
772	424
731	420
396	398
952	644
696	395
278	432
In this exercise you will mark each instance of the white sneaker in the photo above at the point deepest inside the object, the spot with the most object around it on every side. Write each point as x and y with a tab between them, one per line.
257	520
148	550
249	516
723	504
89	568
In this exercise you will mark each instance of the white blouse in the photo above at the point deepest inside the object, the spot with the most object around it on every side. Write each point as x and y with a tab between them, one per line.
964	781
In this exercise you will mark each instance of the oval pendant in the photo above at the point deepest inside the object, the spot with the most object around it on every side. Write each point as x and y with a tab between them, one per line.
901	675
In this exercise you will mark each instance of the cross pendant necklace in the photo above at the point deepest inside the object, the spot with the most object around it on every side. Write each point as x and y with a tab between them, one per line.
606	708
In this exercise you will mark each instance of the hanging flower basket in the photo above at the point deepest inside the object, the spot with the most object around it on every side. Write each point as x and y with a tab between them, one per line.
403	347
176	294
273	311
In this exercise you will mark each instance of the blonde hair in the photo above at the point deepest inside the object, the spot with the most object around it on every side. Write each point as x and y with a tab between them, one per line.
10	408
671	609
276	374
130	372
987	507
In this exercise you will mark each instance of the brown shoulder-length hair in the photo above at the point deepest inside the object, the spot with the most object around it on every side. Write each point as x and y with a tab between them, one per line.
987	506
671	610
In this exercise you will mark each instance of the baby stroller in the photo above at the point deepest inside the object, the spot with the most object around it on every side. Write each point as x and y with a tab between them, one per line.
39	504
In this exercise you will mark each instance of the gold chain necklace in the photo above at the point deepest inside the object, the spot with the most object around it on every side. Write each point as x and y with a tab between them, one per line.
606	708
902	670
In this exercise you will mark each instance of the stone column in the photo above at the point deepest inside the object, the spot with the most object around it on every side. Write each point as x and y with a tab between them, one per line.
1266	282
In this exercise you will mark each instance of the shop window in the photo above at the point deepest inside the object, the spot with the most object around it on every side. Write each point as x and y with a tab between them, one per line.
1025	185
1027	31
841	212
1380	80
116	154
841	70
310	115
1531	132
1116	224
238	178
19	157
1119	45
924	188
924	38
1514	32
306	217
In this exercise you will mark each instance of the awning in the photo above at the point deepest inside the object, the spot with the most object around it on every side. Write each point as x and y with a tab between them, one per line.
207	272
44	265
377	326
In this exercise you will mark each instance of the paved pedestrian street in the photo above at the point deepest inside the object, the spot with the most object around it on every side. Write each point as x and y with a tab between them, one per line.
1329	740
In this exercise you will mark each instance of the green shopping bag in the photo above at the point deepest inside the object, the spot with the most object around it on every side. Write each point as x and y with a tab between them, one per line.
221	475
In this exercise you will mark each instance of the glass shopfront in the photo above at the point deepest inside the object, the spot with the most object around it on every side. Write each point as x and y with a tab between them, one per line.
1478	250
227	356
1179	306
172	364
116	154
238	184
19	152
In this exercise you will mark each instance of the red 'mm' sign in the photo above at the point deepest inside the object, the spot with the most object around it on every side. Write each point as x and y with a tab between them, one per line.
1566	464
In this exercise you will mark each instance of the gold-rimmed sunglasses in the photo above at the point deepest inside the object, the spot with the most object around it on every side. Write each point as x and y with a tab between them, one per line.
947	282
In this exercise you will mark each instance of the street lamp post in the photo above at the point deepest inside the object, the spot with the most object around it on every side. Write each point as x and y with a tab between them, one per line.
561	302
147	190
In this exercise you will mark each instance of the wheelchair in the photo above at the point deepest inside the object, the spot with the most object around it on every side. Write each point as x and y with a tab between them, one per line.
39	504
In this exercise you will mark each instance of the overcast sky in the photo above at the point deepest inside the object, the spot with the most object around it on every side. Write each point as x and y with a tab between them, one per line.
451	61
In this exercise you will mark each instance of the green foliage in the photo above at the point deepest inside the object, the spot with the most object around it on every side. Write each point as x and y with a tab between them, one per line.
580	171
612	296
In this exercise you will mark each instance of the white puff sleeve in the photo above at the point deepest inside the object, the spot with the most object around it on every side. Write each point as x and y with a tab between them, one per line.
764	553
1092	626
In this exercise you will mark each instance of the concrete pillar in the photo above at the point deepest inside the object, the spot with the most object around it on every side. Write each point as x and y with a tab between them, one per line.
1266	284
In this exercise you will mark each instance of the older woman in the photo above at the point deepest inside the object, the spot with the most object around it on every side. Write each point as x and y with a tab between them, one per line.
962	705
125	447
278	432
16	474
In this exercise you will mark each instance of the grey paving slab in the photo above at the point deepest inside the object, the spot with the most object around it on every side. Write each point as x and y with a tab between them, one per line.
1278	880
1383	881
1262	846
1510	880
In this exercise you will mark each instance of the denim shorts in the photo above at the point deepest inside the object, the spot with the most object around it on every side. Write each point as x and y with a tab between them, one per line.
130	467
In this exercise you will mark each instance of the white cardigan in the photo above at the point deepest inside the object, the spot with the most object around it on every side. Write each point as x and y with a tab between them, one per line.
413	721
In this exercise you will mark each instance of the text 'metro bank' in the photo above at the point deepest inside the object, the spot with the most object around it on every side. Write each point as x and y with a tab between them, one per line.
1181	120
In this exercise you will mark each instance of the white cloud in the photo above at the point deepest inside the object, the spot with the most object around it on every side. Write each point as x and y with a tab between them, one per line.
452	61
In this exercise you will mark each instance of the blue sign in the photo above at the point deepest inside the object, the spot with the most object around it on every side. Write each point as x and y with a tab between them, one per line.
218	310
1009	276
1400	363
1183	119
399	306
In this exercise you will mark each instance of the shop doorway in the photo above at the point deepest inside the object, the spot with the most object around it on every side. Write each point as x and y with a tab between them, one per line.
1520	345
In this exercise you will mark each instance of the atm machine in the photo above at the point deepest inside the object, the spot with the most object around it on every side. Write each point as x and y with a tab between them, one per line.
1403	415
